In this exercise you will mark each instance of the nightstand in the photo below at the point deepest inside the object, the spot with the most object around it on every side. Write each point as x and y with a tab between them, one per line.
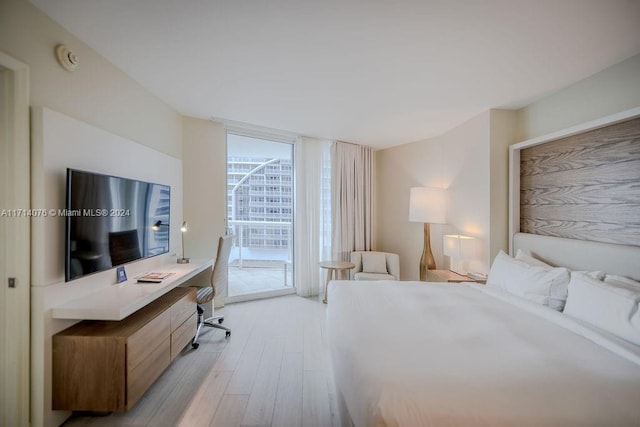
448	276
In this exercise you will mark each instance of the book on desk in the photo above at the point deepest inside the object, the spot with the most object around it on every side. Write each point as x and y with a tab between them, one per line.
153	277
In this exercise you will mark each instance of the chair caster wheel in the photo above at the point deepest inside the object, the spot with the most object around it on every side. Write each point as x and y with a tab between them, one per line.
228	334
195	345
220	320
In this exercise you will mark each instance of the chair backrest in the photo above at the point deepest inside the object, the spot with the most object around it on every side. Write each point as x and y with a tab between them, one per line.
220	274
392	261
124	247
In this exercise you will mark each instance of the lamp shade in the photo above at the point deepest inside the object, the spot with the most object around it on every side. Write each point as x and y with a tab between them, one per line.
427	205
461	247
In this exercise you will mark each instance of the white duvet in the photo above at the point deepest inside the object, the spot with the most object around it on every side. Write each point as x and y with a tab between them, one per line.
418	354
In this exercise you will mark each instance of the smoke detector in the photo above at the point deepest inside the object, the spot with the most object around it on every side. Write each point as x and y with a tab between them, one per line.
66	58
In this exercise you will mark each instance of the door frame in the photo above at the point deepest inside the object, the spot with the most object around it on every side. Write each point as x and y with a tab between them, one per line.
16	241
282	138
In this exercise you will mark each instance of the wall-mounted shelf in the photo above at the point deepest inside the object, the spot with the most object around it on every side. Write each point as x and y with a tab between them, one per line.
119	301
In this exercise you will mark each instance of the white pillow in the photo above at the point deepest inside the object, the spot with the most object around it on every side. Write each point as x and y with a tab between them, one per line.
374	262
542	285
499	271
561	288
606	305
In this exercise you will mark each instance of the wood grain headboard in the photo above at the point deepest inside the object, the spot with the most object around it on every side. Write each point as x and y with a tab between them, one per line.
581	183
585	186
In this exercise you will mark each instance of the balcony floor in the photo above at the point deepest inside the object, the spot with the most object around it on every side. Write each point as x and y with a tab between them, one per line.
250	280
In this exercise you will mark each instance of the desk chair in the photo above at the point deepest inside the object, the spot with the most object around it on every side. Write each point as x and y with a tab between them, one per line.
219	275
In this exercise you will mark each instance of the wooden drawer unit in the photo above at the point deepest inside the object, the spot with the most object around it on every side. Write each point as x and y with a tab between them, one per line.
183	335
182	310
147	372
147	338
107	366
184	320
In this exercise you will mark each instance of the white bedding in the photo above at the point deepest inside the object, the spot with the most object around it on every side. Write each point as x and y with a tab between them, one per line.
418	354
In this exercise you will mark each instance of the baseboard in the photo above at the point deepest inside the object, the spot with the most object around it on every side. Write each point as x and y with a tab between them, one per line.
259	295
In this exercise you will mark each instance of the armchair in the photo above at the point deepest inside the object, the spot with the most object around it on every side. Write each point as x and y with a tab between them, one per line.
370	265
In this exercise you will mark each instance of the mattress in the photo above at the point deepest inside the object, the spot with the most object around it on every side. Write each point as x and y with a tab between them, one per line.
441	354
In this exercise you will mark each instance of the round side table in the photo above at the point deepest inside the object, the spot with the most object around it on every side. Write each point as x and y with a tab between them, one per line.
332	268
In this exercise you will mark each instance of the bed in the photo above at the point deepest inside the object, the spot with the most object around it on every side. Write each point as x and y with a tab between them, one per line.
440	354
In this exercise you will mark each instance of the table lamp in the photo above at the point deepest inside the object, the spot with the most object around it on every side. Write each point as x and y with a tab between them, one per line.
183	230
460	249
427	205
156	226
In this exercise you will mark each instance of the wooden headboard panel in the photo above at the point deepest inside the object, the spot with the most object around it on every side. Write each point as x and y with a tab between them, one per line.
585	186
581	183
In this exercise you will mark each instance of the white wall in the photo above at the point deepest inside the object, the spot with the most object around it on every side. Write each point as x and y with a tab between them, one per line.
466	173
610	91
397	170
504	132
459	161
97	93
60	142
205	193
205	189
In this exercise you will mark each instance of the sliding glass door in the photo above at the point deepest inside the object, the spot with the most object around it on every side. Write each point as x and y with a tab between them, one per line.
260	200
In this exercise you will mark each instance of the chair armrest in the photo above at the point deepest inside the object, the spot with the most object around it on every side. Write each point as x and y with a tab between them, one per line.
356	259
393	265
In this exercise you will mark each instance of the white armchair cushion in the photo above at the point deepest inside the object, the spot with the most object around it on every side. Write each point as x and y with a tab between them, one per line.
373	276
374	262
391	266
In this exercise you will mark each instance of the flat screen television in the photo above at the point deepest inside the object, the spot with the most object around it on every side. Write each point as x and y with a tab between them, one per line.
111	221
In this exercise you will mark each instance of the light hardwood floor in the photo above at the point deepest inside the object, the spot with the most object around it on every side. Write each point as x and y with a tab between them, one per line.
274	370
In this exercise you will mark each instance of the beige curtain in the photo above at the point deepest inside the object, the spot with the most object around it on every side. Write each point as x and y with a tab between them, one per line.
351	195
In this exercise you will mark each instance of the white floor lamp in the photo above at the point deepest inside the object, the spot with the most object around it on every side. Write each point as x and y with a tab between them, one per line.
427	205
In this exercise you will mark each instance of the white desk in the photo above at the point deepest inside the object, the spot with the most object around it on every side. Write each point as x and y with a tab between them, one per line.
119	301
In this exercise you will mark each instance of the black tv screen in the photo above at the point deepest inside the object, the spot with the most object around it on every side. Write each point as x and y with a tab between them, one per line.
112	221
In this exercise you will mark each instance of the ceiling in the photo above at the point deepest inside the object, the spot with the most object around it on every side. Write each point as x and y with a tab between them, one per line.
372	72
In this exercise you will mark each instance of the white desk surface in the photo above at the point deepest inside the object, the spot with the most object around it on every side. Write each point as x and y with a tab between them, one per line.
119	301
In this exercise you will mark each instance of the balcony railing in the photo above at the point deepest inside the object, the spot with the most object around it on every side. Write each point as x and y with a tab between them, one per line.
244	252
261	255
